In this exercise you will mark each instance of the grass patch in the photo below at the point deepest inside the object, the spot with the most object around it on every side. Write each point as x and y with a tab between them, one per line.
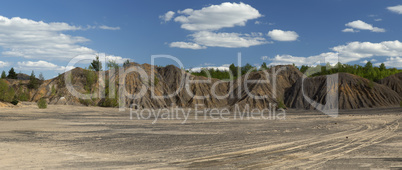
281	104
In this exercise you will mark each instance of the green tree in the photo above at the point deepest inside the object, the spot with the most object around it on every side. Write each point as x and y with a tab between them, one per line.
96	64
33	82
233	70
246	68
382	67
368	65
126	63
3	75
112	64
12	74
304	68
264	66
41	78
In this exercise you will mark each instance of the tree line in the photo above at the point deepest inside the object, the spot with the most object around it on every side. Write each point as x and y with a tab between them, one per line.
367	71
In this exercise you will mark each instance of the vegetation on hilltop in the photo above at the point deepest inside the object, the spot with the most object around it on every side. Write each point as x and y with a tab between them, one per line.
7	93
367	71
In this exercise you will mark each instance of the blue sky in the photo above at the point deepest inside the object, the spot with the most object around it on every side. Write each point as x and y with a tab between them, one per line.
45	35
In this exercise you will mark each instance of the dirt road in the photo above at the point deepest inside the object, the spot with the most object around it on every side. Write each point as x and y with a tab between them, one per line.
92	137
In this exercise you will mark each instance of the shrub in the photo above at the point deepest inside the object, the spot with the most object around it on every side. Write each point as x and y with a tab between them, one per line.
156	81
281	105
14	102
6	93
91	78
87	102
23	96
110	102
53	90
42	104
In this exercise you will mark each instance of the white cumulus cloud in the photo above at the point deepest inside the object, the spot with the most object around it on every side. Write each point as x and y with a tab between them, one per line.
392	62
215	17
224	67
350	52
168	16
26	38
188	45
355	51
329	57
280	35
41	65
350	30
397	9
4	64
361	25
204	39
104	27
228	40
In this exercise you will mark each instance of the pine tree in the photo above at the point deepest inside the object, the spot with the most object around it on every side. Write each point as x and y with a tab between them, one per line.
126	63
382	67
41	78
96	64
33	82
3	75
233	69
264	66
12	74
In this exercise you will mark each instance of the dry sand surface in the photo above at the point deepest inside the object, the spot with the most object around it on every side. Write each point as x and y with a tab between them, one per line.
95	138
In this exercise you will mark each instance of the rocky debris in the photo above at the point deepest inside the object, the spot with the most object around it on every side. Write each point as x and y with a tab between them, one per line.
394	82
279	85
353	92
263	87
21	76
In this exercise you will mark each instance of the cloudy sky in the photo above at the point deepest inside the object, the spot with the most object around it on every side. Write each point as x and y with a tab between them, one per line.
45	35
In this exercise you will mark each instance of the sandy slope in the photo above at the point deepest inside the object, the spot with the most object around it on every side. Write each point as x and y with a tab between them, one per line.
91	137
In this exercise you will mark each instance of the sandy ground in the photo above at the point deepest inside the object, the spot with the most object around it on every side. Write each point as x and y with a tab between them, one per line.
96	138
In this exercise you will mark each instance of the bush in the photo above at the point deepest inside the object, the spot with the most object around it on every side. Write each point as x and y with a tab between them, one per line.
110	102
15	102
281	105
23	95
87	102
6	93
91	78
400	104
53	90
156	81
42	104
